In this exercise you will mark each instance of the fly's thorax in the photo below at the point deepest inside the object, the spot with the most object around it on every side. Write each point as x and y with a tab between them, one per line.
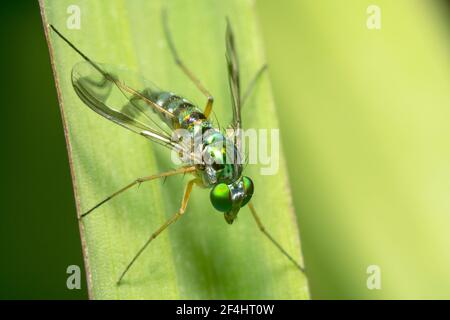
221	159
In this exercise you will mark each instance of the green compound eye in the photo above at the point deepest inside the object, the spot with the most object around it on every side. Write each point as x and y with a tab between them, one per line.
221	197
248	189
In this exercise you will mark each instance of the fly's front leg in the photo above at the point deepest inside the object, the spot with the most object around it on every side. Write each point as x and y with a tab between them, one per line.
267	234
139	181
174	218
209	105
184	68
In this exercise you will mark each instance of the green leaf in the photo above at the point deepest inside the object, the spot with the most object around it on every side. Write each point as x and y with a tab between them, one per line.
199	257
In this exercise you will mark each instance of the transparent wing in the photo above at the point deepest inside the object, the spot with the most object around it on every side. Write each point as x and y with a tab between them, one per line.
110	92
233	76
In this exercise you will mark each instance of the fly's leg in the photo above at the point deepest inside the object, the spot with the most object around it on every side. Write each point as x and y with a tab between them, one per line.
252	84
139	181
263	230
184	68
174	218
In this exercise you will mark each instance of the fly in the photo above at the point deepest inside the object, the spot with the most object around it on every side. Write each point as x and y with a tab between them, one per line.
155	114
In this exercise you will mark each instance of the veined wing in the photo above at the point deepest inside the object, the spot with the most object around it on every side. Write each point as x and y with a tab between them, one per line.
110	92
233	76
235	89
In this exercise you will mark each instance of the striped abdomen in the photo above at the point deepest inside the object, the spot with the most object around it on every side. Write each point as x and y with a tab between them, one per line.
186	114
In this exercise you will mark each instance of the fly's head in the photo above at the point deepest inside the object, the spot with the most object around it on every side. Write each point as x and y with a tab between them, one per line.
223	171
230	198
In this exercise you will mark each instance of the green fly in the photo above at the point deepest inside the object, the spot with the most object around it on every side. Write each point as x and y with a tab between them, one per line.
155	114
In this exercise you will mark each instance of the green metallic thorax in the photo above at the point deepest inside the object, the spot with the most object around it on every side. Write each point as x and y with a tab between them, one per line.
218	151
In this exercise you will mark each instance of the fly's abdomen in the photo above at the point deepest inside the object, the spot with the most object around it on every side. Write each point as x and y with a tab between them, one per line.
186	114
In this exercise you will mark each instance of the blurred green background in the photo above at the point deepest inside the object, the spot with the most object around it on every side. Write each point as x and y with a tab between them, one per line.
364	117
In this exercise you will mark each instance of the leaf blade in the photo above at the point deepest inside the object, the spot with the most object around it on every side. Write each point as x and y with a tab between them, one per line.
199	257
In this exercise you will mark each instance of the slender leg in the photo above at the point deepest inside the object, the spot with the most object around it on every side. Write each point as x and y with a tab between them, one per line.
263	230
174	218
139	181
252	83
184	68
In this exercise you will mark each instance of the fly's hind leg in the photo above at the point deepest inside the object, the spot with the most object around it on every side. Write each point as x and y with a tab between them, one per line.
139	181
174	218
184	68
